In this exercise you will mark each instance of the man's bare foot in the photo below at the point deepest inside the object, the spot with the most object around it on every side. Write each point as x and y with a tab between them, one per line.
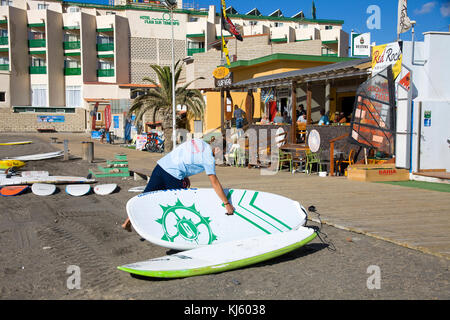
127	226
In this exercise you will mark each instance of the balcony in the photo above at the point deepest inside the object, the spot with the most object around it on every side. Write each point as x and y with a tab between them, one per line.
36	43
38	70
105	73
4	67
105	47
71	45
191	51
72	71
3	41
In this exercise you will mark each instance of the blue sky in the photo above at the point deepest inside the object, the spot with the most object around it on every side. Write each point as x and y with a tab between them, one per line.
429	15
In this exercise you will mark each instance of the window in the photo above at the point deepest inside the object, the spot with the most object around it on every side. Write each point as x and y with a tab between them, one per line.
71	37
36	35
4	60
103	65
37	62
3	33
42	6
253	23
73	9
98	116
72	64
73	96
104	40
5	3
328	27
2	96
38	95
278	24
192	19
110	13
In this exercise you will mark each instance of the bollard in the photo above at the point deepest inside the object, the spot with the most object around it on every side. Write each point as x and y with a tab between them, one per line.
66	150
88	151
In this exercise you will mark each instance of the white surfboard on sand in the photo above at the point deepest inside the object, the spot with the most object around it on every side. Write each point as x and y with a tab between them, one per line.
105	189
137	189
34	174
4	181
187	219
43	189
78	190
222	257
40	156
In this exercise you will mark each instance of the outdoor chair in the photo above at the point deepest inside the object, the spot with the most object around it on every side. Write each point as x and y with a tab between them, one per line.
284	158
313	158
240	160
349	161
298	161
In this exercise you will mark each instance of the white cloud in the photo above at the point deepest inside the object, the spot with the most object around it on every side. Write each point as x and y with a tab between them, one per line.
426	8
445	9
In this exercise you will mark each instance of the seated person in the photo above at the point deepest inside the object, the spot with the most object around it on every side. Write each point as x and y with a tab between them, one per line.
278	118
265	119
286	118
302	118
342	118
323	118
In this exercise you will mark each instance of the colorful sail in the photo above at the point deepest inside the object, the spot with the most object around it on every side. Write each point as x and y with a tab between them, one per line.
373	119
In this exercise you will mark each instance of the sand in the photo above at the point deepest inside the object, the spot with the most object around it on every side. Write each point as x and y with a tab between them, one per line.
42	238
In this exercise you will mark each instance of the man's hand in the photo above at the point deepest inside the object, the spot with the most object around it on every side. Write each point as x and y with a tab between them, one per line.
230	209
219	190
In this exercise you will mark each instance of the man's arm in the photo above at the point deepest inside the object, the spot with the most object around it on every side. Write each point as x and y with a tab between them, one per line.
219	190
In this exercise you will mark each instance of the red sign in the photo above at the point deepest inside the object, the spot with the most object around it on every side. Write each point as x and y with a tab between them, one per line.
406	81
108	116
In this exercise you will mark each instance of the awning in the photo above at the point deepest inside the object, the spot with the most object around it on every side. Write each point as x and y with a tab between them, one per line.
345	69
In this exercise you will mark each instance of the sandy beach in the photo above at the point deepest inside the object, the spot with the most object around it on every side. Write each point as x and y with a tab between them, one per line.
41	237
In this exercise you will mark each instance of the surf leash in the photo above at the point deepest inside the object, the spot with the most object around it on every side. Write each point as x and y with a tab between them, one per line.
320	234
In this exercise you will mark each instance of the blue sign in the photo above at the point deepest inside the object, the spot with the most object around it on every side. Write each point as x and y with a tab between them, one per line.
50	118
116	122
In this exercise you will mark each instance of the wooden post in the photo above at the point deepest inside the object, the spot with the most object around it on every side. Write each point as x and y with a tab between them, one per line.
66	149
308	103
294	112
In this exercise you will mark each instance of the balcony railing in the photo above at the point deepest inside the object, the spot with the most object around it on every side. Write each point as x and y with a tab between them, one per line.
105	47
72	71
4	67
36	43
191	51
105	73
38	70
3	41
71	45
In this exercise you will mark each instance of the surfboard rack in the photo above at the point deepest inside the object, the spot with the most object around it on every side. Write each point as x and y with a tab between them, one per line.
118	167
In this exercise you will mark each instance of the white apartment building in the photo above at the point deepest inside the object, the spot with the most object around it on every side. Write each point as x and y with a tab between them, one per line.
58	59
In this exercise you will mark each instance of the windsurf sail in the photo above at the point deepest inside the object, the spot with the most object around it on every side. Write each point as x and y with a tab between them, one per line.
373	119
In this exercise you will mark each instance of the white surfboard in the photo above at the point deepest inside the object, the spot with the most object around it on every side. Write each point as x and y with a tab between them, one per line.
4	181
43	189
137	189
187	219
222	257
78	190
34	174
105	189
40	156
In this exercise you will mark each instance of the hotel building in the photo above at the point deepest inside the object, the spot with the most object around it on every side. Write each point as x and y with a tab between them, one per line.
58	59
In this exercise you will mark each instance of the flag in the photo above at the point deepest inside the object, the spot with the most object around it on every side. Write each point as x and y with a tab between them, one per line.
227	24
404	23
313	10
225	50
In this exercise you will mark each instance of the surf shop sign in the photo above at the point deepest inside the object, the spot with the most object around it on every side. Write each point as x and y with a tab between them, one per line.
223	77
385	55
164	20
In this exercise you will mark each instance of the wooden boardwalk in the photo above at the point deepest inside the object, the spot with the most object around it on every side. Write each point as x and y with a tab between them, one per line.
415	218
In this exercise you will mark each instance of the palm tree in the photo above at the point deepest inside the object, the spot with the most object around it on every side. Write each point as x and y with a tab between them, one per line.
158	100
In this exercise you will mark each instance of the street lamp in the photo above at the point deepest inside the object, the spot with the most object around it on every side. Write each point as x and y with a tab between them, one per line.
171	5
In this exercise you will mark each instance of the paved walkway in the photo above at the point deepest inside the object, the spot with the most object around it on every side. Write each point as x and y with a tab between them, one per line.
414	218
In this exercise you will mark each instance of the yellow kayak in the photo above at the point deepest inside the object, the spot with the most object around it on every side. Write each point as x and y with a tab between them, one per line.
6	164
14	143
